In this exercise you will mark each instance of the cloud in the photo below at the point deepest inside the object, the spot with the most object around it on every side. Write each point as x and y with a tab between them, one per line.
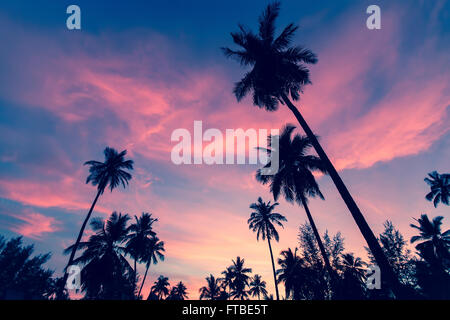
35	225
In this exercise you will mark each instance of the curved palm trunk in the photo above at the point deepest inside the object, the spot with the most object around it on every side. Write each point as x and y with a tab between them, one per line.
80	235
143	280
273	268
319	240
375	248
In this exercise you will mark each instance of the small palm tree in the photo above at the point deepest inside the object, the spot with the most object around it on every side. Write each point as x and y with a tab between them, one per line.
279	70
161	287
353	266
257	287
106	273
153	252
262	222
181	291
240	279
291	273
212	290
110	173
141	232
435	245
227	279
440	188
295	179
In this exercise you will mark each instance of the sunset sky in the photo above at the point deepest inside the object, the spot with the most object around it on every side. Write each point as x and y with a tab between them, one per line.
138	70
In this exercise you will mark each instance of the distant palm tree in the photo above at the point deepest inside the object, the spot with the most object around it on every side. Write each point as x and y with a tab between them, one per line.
435	244
262	222
440	188
212	290
295	179
257	287
240	279
278	71
181	291
354	266
161	287
106	273
103	174
227	279
291	273
152	253
141	232
354	274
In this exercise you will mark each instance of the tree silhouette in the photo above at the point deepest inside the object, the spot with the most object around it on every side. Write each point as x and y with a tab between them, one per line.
161	287
262	222
141	233
440	188
278	71
110	173
257	287
240	279
106	274
353	276
179	292
212	290
295	179
153	252
227	279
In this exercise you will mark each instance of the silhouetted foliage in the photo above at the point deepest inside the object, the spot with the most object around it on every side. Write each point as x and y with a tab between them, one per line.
440	188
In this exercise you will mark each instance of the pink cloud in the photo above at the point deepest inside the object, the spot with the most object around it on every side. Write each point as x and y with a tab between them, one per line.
35	225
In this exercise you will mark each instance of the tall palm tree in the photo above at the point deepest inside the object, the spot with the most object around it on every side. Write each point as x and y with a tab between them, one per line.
295	179
240	279
435	244
153	252
161	287
278	71
106	273
141	232
440	188
257	287
262	222
212	290
110	173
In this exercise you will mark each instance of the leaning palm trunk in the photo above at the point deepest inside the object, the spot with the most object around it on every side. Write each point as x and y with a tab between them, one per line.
143	280
319	240
273	268
80	235
386	270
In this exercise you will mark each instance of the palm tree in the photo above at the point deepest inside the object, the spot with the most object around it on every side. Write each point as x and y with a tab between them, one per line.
227	279
240	279
440	188
106	273
262	222
435	245
279	70
161	287
110	173
291	273
181	291
295	179
141	232
353	277
152	252
257	287
354	266
212	290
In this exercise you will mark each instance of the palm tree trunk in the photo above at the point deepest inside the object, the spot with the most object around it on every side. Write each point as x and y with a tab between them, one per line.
375	248
80	235
143	280
273	268
319	240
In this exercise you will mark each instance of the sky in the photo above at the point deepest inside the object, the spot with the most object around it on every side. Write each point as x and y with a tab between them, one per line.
138	70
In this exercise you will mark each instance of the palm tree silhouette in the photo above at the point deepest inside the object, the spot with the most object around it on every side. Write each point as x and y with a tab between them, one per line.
106	273
353	277
161	287
291	273
112	172
435	245
295	179
227	279
240	279
153	251
279	71
212	290
262	222
180	291
440	188
141	232
354	266
257	287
